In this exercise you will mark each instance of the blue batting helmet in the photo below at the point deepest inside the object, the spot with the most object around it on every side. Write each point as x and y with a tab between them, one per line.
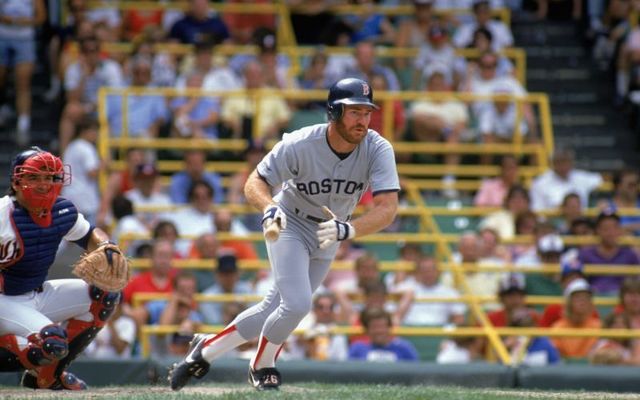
349	91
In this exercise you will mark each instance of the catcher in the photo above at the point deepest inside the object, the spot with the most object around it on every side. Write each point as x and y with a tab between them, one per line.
45	324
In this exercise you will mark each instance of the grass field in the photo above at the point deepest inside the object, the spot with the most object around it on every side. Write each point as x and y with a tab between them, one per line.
308	391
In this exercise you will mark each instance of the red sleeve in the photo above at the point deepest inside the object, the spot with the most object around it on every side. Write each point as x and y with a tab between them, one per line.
551	314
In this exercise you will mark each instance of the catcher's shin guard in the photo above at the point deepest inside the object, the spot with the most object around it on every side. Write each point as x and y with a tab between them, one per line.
44	348
80	334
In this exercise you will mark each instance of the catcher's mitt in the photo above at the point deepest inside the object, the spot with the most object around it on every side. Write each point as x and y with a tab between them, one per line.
105	267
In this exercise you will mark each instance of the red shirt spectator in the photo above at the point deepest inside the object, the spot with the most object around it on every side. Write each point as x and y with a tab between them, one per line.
159	279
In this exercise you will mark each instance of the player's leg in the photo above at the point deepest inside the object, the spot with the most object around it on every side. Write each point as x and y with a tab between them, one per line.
247	325
28	339
279	325
85	309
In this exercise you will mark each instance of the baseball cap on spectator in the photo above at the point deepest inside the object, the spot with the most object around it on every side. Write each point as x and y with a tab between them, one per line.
437	68
577	285
146	170
512	283
227	264
437	33
573	266
550	243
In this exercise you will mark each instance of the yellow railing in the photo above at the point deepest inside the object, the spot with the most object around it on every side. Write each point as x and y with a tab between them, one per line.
148	330
105	142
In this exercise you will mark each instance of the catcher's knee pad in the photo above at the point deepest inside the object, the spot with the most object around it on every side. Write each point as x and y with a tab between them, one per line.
103	304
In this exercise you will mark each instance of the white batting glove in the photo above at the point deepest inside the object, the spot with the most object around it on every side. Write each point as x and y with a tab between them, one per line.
333	230
274	214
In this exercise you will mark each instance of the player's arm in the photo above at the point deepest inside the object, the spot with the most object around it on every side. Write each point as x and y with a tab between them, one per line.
96	237
385	206
257	191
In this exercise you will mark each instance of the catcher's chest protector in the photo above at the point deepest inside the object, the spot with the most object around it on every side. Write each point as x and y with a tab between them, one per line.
30	248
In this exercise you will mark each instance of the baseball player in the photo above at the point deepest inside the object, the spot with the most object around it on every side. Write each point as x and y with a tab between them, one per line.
323	170
44	324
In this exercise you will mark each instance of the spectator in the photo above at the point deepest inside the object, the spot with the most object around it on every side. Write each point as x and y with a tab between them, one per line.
163	63
382	346
608	251
145	193
81	82
227	278
348	251
275	68
439	119
315	77
483	42
548	189
166	230
18	22
216	77
194	169
158	279
136	21
253	154
238	112
581	227
512	295
535	352
180	310
205	247
413	30
106	17
82	157
460	350
318	341
570	270
198	25
570	211
195	116
625	195
225	222
492	192
427	284
578	315
146	113
196	218
116	339
499	121
367	271
492	252
119	182
502	36
126	222
367	64
614	351
549	249
408	252
369	25
377	123
242	25
504	221
437	50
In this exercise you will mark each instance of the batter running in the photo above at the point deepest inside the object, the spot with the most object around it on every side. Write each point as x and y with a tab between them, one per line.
323	171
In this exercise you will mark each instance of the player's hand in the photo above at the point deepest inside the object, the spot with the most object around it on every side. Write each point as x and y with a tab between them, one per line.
333	230
274	214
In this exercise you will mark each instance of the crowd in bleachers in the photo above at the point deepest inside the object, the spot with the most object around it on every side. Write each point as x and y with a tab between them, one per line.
188	221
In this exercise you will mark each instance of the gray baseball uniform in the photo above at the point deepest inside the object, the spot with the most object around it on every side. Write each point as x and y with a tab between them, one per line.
311	175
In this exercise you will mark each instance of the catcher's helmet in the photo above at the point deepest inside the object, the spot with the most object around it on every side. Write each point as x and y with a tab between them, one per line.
348	91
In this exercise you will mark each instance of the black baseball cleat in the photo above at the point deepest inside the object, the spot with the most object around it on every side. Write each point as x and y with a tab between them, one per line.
66	381
192	365
265	379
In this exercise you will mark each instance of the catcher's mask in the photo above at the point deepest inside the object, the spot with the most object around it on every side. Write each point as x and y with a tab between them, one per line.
37	177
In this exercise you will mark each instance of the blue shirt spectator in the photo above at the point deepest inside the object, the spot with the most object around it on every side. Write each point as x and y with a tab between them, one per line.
202	109
227	281
199	28
155	308
194	169
396	350
145	114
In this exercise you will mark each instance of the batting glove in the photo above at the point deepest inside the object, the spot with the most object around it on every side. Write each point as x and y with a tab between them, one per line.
332	231
273	213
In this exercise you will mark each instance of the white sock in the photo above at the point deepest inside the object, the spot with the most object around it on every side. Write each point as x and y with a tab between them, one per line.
219	344
265	356
622	82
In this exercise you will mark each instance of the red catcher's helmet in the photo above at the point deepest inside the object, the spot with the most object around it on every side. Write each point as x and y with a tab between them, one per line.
38	176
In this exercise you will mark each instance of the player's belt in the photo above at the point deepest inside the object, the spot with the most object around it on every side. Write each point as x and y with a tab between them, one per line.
310	217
